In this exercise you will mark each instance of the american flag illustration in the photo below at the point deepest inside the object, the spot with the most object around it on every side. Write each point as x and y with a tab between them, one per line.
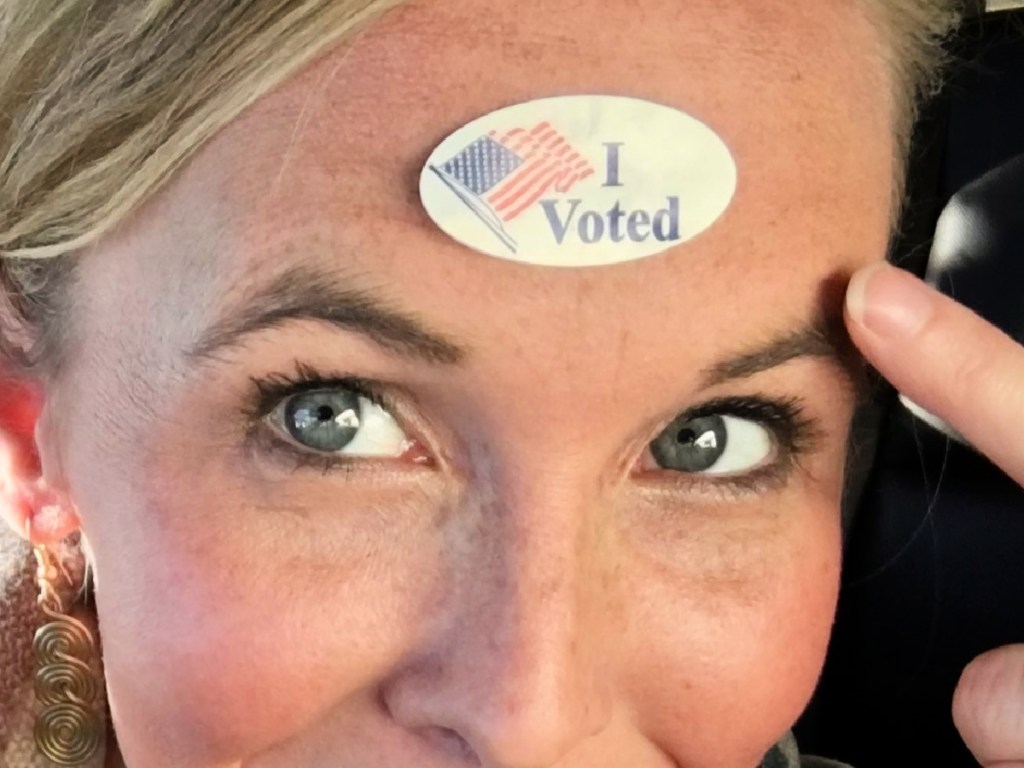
499	176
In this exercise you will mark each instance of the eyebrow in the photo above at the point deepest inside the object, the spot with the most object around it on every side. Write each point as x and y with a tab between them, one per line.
824	337
306	293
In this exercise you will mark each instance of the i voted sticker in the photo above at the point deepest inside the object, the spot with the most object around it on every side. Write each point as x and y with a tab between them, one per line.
578	181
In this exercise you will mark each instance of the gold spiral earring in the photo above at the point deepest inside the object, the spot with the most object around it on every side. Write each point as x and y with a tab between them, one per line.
68	730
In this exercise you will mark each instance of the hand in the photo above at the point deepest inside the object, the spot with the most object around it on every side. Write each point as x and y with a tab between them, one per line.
970	374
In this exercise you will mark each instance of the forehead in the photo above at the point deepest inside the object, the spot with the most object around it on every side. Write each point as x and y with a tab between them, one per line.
326	167
797	96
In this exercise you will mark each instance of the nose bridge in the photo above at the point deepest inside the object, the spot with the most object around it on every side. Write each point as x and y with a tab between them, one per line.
520	659
536	641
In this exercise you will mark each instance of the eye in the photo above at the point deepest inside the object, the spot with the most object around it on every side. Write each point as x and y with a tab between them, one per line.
712	445
339	421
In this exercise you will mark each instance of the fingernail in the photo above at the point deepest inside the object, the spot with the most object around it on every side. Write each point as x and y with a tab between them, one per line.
888	301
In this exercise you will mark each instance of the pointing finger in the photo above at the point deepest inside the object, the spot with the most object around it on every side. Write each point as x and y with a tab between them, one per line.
944	357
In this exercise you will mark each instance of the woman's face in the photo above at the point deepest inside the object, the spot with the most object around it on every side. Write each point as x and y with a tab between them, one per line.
508	562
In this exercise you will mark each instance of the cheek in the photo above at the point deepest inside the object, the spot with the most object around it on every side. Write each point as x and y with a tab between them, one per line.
735	637
229	626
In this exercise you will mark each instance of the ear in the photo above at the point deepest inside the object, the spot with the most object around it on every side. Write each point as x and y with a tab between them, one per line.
36	511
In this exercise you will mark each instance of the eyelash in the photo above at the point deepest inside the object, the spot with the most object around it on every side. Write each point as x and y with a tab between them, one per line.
795	433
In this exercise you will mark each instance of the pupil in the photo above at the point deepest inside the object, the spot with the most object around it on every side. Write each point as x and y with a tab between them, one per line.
325	413
686	436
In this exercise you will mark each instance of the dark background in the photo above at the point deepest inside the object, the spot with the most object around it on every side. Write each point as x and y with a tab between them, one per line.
934	565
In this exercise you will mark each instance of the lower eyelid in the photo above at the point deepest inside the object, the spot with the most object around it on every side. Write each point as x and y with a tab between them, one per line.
769	479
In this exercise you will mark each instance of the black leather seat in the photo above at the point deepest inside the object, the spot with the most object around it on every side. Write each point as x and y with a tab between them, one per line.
934	566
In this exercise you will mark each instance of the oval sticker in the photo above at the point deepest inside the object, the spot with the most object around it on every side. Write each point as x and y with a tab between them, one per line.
578	181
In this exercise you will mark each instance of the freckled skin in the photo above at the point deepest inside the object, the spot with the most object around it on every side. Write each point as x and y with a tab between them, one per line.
528	601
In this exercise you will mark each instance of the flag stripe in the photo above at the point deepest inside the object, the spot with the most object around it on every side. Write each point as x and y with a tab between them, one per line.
519	183
557	177
514	185
580	175
522	175
533	197
542	177
536	139
539	148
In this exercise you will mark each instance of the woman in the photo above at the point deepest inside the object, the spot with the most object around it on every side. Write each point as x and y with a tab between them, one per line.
355	493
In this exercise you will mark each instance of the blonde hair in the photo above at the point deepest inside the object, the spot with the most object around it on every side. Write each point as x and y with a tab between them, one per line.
101	102
913	32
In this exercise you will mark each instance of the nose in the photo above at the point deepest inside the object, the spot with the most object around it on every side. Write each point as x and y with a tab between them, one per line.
513	679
